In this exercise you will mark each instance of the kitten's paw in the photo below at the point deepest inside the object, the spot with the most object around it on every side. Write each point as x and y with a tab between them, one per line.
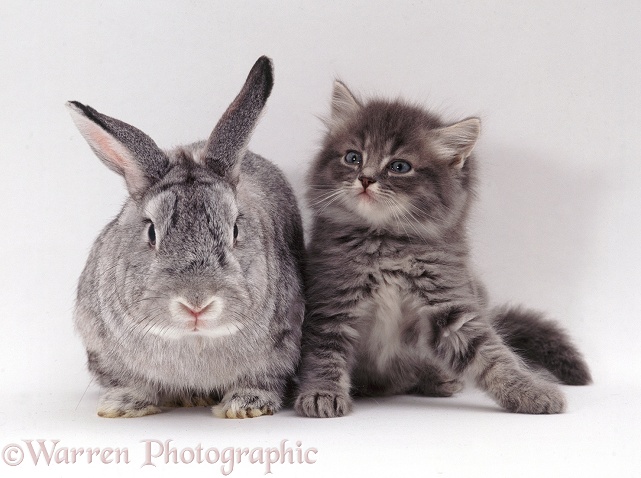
120	403
449	388
245	405
323	404
541	398
441	389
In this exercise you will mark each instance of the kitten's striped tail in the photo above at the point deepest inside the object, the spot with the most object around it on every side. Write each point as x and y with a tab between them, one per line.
541	342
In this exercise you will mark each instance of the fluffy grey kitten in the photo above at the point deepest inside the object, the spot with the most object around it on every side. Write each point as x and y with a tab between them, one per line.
393	305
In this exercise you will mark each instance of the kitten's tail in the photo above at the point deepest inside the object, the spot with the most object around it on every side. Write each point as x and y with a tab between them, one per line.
541	342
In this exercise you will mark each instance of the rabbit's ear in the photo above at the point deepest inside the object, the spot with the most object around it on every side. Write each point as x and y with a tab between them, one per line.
228	142
123	148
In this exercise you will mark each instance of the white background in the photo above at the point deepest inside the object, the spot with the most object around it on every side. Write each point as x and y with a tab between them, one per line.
557	85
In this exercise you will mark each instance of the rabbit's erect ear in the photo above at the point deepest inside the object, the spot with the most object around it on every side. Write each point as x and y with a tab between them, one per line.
228	142
123	148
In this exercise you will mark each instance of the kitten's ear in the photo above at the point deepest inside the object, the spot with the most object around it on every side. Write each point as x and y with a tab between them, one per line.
344	103
454	143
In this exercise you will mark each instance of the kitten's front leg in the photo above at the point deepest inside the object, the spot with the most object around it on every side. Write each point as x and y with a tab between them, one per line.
433	382
327	356
467	344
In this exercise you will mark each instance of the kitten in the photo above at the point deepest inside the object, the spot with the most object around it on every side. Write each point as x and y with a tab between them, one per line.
393	306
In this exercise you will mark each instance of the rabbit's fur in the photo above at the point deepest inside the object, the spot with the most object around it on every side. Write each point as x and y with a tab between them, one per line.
193	294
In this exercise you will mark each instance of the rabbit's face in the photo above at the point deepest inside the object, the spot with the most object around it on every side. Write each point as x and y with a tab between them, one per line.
173	269
185	271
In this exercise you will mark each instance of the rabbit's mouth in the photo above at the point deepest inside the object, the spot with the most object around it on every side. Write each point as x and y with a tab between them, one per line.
196	318
176	331
217	331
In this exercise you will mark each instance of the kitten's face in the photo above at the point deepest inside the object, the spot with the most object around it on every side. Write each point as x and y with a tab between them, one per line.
392	166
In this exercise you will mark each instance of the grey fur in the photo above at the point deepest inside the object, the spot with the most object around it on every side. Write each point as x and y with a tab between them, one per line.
393	305
542	343
196	315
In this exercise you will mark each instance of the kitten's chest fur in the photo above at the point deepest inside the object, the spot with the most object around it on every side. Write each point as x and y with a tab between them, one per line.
400	285
390	329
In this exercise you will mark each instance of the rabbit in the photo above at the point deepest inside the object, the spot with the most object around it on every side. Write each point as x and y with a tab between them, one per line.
193	294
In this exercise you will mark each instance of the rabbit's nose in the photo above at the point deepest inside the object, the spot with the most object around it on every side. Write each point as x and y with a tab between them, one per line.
194	312
209	306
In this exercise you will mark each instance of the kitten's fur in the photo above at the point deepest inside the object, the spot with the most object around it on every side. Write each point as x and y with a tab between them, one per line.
393	305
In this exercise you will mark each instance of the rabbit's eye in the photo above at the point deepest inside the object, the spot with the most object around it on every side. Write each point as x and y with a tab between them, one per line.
151	234
235	231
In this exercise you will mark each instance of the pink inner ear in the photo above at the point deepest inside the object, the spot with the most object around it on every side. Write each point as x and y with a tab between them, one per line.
104	144
115	154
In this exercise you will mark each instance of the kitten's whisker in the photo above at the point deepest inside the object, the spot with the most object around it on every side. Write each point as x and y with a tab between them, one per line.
321	206
415	208
324	197
332	201
390	203
411	219
418	209
410	223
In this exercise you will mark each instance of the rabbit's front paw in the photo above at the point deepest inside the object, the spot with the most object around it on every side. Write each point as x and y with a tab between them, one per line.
323	404
125	403
193	400
246	404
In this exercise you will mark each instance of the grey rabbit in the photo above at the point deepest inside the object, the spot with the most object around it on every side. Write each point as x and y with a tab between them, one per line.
193	294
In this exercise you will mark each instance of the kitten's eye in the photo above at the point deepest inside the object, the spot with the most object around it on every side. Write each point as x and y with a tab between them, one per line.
400	166
353	158
235	231
151	234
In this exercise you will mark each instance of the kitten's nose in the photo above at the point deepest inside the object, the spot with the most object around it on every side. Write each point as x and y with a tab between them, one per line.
366	181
